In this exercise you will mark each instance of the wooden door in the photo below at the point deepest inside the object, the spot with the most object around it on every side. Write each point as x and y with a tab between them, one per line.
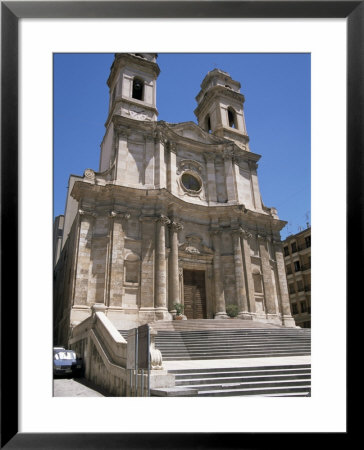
194	294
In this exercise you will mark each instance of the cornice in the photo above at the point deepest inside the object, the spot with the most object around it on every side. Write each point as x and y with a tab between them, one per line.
214	92
150	66
152	197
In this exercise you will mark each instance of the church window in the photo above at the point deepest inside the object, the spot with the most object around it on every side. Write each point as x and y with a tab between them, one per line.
190	182
138	88
232	118
208	124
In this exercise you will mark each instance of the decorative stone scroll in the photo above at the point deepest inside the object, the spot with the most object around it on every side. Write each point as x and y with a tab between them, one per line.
189	165
119	214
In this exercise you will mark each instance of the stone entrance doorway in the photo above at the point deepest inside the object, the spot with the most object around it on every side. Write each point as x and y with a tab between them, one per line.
194	294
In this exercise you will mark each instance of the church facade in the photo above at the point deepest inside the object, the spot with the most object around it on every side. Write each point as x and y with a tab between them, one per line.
174	214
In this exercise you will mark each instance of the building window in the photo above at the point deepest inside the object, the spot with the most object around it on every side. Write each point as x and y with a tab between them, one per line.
232	118
208	124
297	266
138	88
308	241
300	285
294	308
286	252
289	270
190	182
303	307
291	289
294	247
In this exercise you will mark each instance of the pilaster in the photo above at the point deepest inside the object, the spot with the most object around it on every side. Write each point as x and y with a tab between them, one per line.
287	318
229	175
116	257
211	177
83	262
267	276
248	271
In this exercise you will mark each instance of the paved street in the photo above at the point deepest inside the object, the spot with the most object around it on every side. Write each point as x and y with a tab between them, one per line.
73	387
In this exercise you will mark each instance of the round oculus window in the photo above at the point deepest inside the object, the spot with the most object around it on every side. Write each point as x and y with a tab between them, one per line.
190	182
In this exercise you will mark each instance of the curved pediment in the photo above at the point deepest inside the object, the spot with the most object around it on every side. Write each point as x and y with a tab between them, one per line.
193	132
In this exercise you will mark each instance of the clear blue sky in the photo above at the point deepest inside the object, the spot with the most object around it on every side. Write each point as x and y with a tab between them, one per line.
277	89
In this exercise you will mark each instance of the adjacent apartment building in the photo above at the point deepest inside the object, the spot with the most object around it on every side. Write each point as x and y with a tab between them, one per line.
297	256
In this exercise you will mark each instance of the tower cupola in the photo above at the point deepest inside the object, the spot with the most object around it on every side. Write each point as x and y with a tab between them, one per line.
220	108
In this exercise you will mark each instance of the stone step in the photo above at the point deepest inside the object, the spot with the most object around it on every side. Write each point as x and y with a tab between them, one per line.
198	381
258	391
234	356
259	369
249	385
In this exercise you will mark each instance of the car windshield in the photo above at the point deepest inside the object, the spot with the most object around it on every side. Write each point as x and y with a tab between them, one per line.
65	355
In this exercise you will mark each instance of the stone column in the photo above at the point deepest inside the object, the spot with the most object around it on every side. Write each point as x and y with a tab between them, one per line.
174	296
239	276
160	265
267	275
83	261
116	260
220	311
287	318
248	271
229	175
211	176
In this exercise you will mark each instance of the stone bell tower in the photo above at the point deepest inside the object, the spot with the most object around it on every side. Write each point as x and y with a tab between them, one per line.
132	84
220	108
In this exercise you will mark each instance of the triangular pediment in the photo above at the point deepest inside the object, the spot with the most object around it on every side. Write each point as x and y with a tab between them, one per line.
192	131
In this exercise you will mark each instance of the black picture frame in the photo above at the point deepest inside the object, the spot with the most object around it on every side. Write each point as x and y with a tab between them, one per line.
11	12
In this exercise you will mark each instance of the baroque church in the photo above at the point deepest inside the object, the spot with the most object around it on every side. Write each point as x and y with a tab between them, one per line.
174	214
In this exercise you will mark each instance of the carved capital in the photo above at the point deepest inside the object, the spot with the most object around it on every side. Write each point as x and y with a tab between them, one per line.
246	234
176	226
119	215
228	153
209	157
87	214
163	220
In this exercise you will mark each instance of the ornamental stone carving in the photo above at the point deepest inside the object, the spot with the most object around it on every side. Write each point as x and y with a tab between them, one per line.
189	165
89	174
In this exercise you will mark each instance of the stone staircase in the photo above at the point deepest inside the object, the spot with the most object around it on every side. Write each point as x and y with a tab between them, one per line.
209	340
268	381
233	343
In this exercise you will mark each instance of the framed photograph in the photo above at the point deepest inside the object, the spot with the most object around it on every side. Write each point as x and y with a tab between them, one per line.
32	32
